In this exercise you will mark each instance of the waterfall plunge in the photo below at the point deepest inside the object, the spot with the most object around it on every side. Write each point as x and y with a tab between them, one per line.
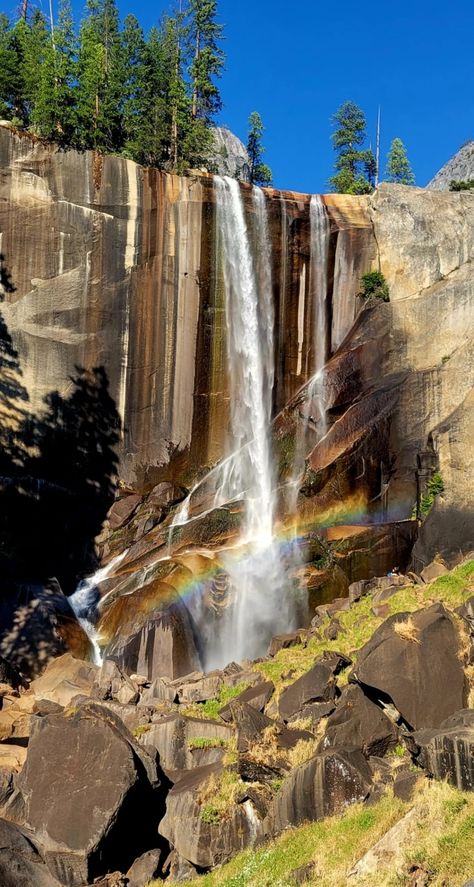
318	282
262	603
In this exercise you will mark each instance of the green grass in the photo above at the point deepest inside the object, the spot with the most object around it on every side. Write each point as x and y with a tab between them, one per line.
442	840
202	742
359	624
211	708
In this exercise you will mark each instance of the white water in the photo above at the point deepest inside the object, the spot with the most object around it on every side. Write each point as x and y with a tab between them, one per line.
314	426
318	282
84	601
262	606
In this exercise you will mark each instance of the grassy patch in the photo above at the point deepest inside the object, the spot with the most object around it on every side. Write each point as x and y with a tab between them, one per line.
211	708
220	793
203	742
442	840
141	730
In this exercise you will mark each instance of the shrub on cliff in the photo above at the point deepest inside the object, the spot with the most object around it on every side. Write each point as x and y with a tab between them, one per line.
374	286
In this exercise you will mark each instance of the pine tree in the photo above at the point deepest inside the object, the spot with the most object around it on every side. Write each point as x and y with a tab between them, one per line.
260	173
207	59
398	166
100	78
30	41
54	113
11	84
355	166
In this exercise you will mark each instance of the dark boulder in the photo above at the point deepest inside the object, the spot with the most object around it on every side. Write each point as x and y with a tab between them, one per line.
283	642
414	660
177	740
317	685
147	867
197	830
314	711
92	795
448	752
359	723
323	786
162	646
256	696
20	863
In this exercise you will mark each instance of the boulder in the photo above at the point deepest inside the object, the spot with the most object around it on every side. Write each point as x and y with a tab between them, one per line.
63	679
359	723
415	661
176	739
433	571
162	646
315	712
207	840
256	696
147	867
448	752
197	687
322	786
283	641
91	794
251	724
317	685
20	863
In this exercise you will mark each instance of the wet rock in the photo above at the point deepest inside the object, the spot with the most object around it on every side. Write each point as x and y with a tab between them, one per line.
424	644
206	840
63	679
283	641
20	864
145	868
447	752
359	723
165	494
256	696
162	647
433	571
177	739
323	786
122	510
91	794
317	685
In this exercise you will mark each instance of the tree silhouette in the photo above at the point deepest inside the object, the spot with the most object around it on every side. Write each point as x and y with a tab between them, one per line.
57	472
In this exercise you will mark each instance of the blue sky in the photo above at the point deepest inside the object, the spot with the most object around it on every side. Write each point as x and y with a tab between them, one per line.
296	62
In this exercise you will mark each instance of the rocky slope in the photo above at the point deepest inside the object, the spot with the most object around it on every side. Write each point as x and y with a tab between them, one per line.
104	772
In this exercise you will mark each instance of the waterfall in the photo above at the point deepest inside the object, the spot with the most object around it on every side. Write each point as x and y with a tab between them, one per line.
318	282
314	424
84	602
261	605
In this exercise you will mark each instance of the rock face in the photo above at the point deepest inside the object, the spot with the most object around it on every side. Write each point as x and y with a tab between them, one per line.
230	156
447	753
205	843
459	168
359	723
415	660
321	787
90	794
20	864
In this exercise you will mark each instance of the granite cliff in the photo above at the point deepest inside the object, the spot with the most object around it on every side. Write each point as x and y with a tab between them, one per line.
199	407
